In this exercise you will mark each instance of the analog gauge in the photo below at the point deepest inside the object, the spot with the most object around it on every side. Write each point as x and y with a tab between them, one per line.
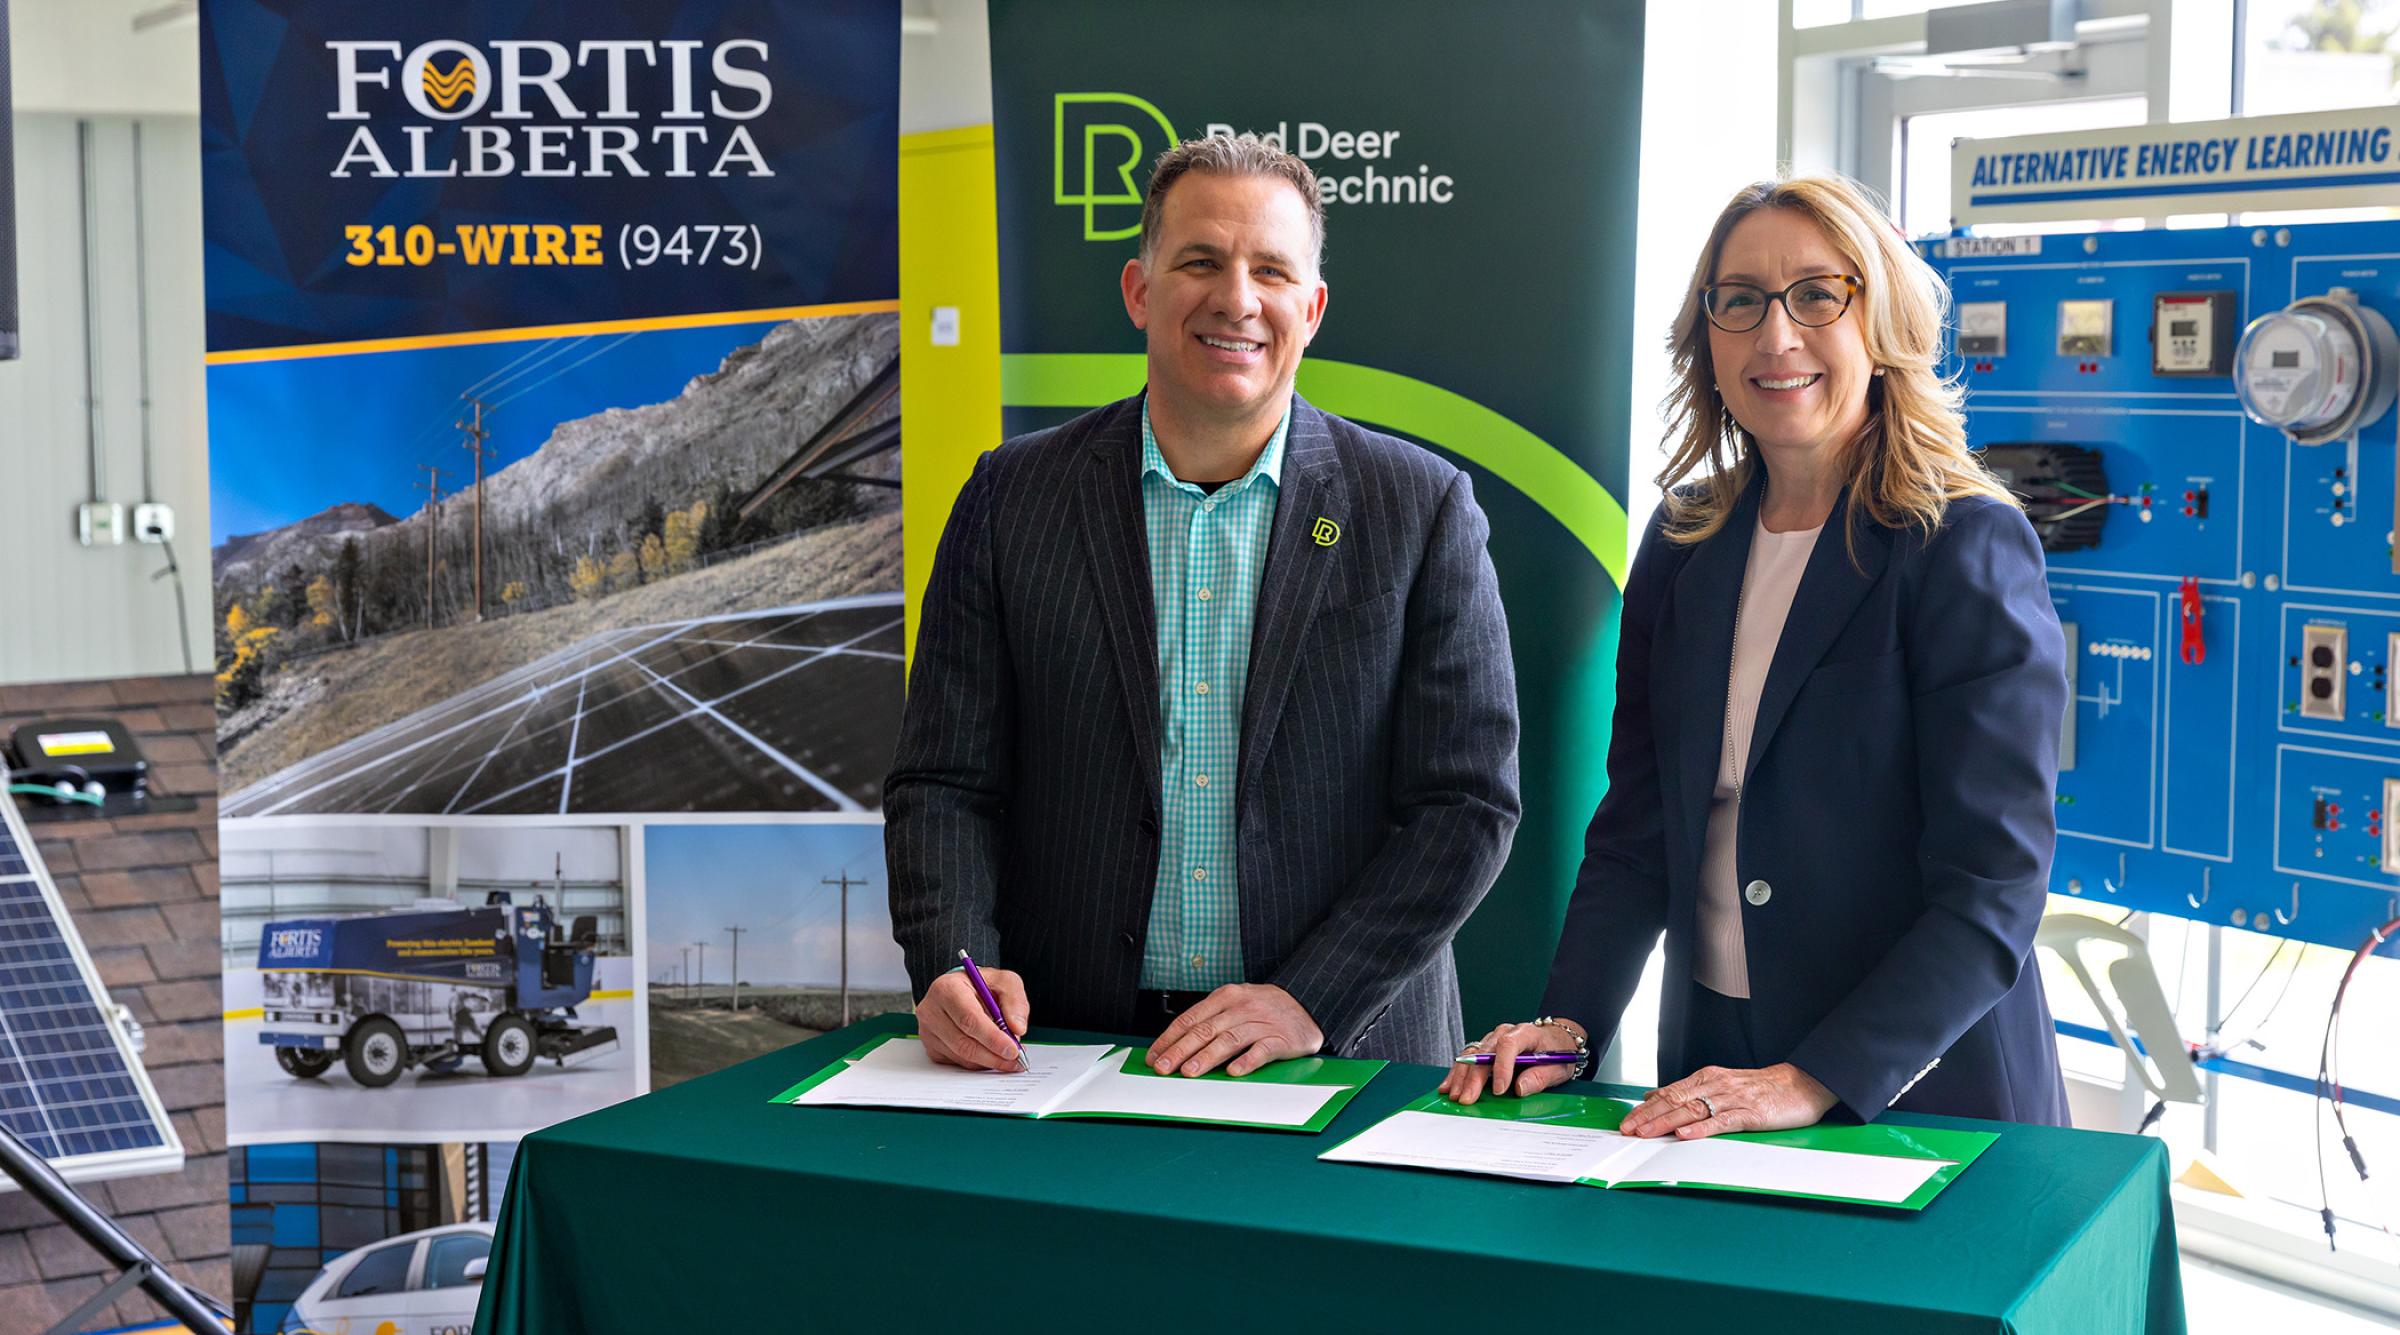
1982	328
2084	327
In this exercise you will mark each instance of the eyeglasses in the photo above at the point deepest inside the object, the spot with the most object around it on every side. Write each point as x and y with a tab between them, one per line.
1816	301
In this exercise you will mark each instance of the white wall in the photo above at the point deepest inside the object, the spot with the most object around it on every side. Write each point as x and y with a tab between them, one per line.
945	65
83	55
67	611
1708	129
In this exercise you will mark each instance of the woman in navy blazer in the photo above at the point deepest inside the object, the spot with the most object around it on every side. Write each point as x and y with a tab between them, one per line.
1891	825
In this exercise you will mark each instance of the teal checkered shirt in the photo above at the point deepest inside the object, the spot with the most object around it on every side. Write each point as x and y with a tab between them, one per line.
1206	553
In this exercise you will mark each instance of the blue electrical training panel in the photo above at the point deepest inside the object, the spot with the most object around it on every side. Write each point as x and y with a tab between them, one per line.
2230	597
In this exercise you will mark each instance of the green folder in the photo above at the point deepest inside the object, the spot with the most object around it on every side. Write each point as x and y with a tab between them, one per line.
1954	1150
1344	1075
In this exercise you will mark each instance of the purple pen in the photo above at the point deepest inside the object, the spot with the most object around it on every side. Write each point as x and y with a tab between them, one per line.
1523	1058
991	1007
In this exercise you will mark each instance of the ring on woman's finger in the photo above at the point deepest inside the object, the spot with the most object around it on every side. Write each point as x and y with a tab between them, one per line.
1707	1109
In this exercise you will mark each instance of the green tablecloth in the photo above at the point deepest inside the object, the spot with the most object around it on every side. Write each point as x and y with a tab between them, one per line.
706	1208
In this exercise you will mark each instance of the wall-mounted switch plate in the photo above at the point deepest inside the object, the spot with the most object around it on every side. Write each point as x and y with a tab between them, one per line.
100	523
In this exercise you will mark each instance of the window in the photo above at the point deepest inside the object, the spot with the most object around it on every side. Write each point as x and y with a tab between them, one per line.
1879	9
2318	55
383	1270
1820	13
1925	151
446	1259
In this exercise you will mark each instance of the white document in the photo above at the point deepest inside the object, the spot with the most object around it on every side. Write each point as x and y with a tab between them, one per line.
898	1074
1066	1078
1544	1152
1113	1091
1738	1163
1538	1151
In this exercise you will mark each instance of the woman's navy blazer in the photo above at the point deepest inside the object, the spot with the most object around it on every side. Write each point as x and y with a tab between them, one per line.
1896	824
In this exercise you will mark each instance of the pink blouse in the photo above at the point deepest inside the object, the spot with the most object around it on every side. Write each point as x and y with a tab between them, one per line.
1769	580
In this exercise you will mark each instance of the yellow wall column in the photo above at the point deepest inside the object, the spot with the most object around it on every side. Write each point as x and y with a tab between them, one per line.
949	396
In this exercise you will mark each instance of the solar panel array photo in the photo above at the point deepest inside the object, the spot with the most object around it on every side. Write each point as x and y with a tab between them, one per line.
789	709
67	1088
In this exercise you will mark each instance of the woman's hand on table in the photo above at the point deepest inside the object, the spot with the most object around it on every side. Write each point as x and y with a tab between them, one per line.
1715	1099
1467	1082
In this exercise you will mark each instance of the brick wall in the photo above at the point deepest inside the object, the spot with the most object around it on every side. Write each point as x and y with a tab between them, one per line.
143	892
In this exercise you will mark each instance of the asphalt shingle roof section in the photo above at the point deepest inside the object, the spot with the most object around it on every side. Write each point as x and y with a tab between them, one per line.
142	891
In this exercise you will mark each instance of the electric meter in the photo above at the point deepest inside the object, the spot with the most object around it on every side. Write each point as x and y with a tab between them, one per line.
2319	369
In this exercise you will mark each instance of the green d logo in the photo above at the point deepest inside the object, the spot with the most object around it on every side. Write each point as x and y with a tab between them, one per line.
1326	532
1096	146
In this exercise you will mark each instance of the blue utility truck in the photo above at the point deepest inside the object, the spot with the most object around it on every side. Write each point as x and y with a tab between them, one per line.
428	986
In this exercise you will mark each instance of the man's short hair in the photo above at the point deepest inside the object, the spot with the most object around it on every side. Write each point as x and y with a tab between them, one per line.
1243	154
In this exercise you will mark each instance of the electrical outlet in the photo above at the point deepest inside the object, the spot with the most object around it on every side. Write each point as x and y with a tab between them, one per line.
153	522
100	523
2391	681
2066	727
2391	828
2324	672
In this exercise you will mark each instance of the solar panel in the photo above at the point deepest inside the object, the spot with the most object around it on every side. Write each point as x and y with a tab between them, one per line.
70	1087
781	709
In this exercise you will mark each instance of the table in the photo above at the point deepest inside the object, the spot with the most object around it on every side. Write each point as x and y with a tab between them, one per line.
704	1207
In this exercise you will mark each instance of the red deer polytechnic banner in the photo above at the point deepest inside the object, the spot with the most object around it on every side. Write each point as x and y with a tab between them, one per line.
1478	173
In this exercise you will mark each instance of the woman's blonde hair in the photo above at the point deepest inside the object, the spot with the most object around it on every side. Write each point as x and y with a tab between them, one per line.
1910	460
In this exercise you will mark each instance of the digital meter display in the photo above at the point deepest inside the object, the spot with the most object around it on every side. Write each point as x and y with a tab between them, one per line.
2191	333
2286	361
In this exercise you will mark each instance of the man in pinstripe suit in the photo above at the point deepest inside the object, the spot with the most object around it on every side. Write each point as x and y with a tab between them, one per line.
1213	728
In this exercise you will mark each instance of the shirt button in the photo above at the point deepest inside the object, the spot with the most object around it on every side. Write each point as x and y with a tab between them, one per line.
1200	781
1209	504
1199	873
1758	892
1200	689
1204	595
1197	961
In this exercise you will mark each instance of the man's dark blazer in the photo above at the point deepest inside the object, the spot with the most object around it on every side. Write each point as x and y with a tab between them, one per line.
1898	808
1377	791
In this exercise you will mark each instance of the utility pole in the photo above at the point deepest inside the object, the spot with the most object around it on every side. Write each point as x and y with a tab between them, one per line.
683	978
433	532
737	967
845	883
702	947
473	444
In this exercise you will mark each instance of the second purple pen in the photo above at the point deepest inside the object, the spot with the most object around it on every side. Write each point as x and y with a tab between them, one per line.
1523	1058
